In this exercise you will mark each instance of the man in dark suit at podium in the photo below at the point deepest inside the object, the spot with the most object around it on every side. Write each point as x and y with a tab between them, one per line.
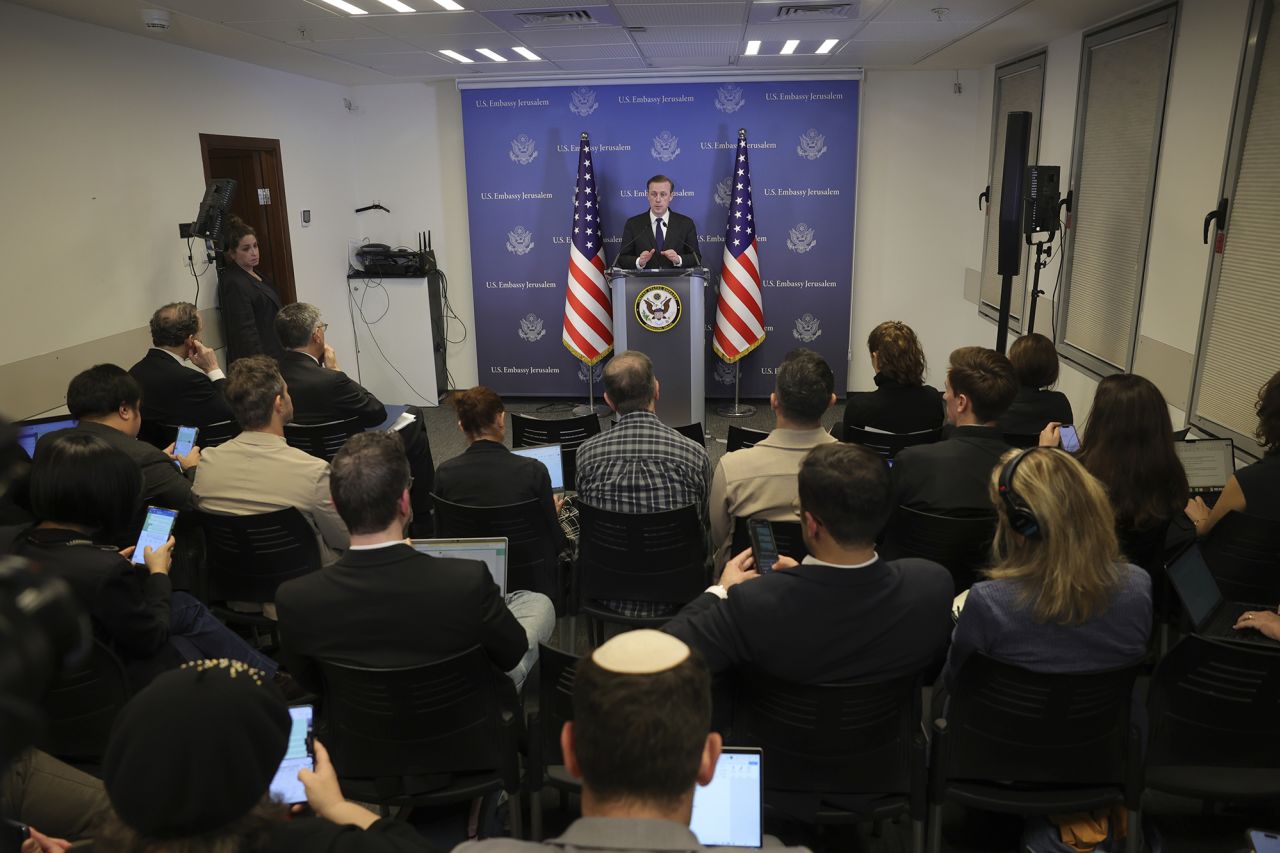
659	238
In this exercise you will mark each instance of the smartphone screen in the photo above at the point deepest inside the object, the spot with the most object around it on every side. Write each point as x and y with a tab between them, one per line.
155	531
285	787
1070	438
186	440
763	546
1263	841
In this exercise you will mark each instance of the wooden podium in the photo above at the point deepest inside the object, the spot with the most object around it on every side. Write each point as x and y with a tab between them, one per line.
661	314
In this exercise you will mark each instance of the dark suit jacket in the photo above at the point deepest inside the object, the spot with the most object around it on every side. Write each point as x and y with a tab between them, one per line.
637	237
819	623
249	309
950	477
488	474
174	394
162	483
1033	409
894	407
321	395
394	607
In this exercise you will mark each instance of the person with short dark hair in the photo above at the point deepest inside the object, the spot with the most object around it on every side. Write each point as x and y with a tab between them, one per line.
397	606
173	393
1035	362
950	476
108	403
760	481
257	471
659	238
843	613
639	741
902	402
247	301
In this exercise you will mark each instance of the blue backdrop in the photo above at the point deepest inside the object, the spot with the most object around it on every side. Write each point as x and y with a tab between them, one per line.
521	153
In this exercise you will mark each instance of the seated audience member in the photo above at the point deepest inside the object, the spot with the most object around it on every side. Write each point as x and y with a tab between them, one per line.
761	480
50	797
173	393
843	614
80	487
257	472
1035	363
108	403
1255	488
1128	445
641	465
1060	597
190	764
950	477
385	604
901	403
487	473
640	740
15	472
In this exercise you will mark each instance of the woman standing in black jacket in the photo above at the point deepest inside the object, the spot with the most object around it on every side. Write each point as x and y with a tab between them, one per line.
249	303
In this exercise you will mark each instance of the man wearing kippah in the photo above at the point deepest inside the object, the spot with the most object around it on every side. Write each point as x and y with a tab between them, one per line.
639	741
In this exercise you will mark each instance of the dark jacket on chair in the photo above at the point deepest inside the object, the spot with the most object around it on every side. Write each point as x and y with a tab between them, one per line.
949	477
175	394
894	407
321	395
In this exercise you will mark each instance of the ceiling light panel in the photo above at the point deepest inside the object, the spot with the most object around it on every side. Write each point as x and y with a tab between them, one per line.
527	54
344	6
457	57
397	6
753	48
492	54
827	46
789	47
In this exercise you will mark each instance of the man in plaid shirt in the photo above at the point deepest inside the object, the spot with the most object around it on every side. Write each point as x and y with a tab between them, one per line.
640	465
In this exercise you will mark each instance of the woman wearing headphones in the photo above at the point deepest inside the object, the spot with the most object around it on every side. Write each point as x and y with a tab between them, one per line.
1059	598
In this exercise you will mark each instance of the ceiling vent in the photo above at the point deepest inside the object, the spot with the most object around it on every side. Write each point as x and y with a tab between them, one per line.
816	12
556	18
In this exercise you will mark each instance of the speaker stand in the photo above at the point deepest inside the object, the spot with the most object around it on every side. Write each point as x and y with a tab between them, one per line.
1036	292
1002	324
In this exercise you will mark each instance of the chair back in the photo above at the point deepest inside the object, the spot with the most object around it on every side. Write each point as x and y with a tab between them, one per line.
887	444
659	556
1022	440
832	738
1243	553
448	717
786	533
248	556
740	437
569	433
533	560
1215	705
82	704
693	431
555	699
1061	729
322	440
963	545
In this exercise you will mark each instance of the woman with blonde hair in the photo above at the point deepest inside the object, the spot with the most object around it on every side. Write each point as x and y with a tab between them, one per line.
1060	598
901	402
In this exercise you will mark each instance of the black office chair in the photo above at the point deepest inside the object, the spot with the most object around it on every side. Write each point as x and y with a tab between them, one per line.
1034	743
1022	440
428	735
888	444
963	545
557	670
322	440
693	431
786	533
81	706
1214	718
655	557
569	433
834	742
533	558
211	435
1243	553
740	437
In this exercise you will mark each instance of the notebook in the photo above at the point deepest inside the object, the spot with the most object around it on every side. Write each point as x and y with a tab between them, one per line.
549	455
1209	463
491	552
1211	615
729	811
30	431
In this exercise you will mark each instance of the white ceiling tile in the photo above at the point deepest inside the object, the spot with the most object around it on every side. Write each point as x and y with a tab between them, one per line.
550	37
691	62
595	51
499	41
601	65
683	14
873	54
430	24
683	35
921	11
933	33
357	47
407	64
688	50
317	29
251	10
523	5
782	62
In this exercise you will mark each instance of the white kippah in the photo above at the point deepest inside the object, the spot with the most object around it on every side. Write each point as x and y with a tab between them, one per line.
643	652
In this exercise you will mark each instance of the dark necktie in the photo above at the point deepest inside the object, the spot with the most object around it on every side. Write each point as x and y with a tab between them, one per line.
657	236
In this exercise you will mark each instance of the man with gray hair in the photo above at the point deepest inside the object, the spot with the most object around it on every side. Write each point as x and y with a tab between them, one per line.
172	392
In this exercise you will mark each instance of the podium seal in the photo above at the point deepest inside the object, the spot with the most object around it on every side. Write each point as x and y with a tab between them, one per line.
658	308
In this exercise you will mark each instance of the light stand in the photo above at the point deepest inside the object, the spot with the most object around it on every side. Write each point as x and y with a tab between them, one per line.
737	410
590	407
1042	260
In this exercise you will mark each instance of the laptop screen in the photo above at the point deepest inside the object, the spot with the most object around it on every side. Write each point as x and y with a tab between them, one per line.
549	455
1209	462
29	432
728	813
491	552
1195	585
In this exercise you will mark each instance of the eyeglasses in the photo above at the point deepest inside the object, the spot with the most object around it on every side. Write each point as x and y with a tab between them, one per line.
323	326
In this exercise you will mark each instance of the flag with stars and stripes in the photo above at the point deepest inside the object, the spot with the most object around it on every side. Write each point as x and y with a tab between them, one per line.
740	308
588	312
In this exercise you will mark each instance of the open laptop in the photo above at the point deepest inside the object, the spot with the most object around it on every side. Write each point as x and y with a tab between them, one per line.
549	455
729	811
491	552
1211	615
30	431
1209	463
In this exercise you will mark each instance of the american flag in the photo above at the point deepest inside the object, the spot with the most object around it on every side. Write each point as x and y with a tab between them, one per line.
588	313
740	312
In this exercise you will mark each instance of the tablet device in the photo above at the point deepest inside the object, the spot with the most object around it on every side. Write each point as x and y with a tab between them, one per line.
549	455
728	812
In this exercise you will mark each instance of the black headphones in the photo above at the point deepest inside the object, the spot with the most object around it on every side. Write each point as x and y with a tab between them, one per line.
1021	518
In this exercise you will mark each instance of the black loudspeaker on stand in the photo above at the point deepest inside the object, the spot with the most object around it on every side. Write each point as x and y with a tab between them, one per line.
1017	142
